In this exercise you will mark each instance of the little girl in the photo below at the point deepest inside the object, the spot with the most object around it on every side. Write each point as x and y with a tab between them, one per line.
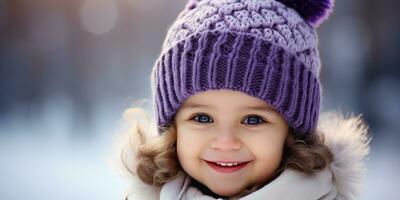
236	97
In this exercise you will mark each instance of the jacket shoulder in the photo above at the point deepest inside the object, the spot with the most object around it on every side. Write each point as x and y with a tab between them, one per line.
141	191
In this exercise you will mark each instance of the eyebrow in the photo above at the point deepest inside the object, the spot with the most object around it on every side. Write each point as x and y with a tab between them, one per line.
260	107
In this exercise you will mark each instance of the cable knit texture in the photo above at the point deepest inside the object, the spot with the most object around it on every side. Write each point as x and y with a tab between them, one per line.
260	47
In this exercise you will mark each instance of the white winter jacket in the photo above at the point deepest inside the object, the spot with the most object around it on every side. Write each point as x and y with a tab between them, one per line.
346	137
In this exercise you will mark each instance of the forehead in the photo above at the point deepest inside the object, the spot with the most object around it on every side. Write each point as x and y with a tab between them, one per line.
216	99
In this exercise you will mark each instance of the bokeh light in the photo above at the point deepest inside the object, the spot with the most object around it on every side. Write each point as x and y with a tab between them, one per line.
99	16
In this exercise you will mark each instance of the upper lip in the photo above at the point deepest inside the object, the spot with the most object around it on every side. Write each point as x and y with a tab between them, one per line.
227	161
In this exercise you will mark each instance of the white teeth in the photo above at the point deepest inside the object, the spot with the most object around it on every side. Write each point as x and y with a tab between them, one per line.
228	164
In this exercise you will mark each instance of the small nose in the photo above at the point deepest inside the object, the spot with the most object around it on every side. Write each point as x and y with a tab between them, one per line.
226	142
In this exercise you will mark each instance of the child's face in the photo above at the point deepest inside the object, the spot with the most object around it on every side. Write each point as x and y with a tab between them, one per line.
224	130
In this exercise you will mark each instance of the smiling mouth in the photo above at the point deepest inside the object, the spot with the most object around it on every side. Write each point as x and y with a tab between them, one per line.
226	167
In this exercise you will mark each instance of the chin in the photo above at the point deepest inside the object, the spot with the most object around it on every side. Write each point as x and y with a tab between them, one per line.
226	191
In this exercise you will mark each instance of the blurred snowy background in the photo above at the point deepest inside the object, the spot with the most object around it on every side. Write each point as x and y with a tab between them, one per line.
69	68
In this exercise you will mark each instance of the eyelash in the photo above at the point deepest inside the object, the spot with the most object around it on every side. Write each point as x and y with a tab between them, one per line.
262	121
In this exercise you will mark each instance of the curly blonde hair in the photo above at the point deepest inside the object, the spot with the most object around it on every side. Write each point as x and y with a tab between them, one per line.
154	160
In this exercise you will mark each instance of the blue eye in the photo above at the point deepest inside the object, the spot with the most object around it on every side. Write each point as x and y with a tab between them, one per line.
250	120
202	118
254	120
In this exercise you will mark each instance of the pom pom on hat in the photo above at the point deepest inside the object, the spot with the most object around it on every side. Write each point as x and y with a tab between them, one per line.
313	11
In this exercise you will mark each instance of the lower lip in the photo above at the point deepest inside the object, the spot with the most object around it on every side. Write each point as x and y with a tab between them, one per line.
231	169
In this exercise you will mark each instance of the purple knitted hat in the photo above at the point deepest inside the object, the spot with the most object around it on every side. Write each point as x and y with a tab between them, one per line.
264	48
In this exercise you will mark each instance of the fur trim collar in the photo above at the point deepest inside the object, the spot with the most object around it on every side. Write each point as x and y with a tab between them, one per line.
303	187
346	137
348	140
